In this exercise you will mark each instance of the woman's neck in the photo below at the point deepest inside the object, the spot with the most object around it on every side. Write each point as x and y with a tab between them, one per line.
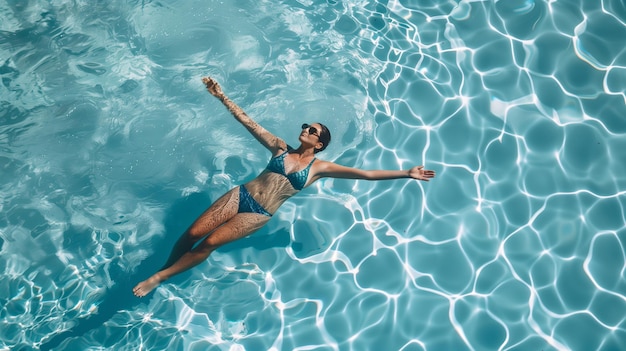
304	151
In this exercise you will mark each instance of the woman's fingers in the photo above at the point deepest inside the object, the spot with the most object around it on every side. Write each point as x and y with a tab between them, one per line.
212	86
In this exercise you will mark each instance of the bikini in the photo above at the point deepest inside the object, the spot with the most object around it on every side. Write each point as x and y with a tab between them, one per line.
297	179
247	204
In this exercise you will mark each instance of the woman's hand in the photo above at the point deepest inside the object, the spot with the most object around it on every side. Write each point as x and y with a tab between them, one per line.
419	173
213	87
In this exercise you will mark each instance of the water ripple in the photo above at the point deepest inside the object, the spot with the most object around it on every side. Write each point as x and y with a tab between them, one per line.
109	146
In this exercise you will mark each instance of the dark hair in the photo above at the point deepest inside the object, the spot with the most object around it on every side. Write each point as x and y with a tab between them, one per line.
324	138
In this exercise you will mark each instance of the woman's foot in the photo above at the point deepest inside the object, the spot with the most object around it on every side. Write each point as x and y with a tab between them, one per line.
145	287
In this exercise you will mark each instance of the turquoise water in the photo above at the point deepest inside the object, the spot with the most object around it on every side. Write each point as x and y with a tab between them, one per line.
110	147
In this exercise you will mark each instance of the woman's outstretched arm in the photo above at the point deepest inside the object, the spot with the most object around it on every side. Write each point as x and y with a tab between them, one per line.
269	140
326	169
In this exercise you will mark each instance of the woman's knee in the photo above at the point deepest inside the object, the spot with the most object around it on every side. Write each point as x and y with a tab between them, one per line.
196	233
207	245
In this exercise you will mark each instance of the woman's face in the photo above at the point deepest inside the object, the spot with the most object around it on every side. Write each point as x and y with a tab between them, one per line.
311	129
310	134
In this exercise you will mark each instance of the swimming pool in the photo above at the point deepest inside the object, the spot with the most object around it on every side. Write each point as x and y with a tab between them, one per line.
110	147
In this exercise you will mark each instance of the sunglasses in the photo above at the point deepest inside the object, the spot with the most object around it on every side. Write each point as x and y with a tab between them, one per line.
311	129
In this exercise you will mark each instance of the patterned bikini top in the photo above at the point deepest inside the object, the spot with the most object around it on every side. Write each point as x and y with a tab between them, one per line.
297	179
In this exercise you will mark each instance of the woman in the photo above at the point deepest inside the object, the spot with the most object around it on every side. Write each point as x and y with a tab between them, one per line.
246	208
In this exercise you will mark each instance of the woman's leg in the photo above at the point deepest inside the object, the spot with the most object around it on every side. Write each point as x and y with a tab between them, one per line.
241	225
218	213
223	209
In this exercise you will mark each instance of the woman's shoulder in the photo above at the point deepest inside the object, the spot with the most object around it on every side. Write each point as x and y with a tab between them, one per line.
281	150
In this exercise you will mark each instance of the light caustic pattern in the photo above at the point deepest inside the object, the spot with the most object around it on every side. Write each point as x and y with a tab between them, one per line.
109	147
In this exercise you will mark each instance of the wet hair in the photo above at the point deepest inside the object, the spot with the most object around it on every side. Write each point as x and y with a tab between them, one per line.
324	138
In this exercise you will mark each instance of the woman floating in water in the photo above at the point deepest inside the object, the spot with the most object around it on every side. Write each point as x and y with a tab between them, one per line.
246	208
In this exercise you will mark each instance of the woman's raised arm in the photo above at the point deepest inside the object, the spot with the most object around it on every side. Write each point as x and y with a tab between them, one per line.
267	139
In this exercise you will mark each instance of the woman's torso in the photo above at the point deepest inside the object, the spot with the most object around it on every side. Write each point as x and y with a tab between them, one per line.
283	178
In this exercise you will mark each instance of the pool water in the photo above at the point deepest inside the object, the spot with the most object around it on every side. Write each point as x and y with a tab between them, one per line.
110	147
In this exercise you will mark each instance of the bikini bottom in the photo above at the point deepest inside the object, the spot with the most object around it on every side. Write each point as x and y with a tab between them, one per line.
247	204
